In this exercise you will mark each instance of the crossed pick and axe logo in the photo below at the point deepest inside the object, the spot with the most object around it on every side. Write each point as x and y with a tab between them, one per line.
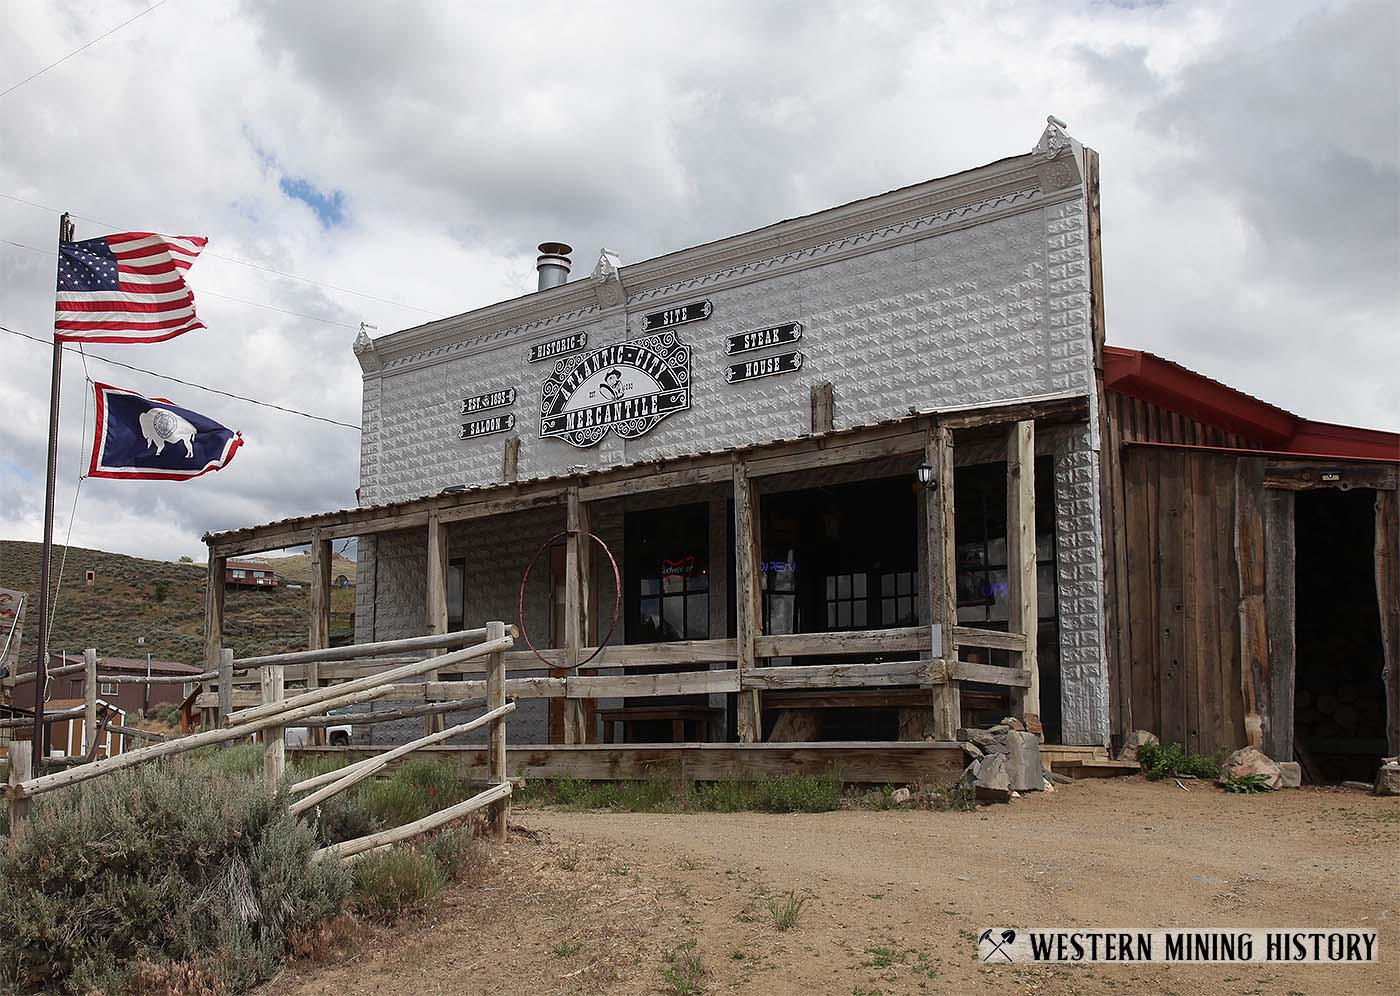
990	936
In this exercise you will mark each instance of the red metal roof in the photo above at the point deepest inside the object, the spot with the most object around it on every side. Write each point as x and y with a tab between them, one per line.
1141	374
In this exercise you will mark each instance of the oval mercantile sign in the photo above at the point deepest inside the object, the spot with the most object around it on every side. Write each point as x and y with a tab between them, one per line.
626	388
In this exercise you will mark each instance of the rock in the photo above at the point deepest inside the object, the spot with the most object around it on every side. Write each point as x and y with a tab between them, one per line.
999	729
1058	778
1388	778
982	738
1023	765
972	751
1133	741
901	796
1292	773
990	779
1033	725
996	748
1252	761
1015	794
1049	786
1012	723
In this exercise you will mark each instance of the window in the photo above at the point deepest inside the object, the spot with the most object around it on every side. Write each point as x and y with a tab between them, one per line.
668	574
981	533
456	594
240	573
897	593
107	688
846	601
779	582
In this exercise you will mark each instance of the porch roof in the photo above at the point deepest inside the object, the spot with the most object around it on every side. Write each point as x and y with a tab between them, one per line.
890	437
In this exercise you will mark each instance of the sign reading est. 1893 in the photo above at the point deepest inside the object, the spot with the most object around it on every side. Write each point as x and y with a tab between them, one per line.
626	388
696	311
774	335
486	426
767	366
484	402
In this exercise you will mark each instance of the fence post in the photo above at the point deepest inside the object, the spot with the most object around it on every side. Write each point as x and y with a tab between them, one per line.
89	699
274	739
21	769
225	684
495	698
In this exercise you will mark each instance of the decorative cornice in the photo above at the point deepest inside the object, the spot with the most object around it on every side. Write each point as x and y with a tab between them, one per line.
1004	187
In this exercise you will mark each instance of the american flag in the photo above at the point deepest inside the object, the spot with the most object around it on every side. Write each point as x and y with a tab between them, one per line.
126	288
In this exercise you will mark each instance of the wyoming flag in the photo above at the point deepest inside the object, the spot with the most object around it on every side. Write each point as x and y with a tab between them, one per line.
153	439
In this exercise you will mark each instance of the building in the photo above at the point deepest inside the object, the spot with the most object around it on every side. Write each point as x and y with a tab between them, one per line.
863	469
252	574
132	697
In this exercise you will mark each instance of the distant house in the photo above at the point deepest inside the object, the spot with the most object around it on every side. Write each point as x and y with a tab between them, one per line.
252	573
127	696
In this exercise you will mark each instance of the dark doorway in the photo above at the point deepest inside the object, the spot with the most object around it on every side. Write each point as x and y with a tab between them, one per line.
1339	697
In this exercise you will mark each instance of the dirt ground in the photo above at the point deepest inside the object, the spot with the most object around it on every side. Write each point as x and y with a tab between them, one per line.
595	902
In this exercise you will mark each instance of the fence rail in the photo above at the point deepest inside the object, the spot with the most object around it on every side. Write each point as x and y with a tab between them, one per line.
275	710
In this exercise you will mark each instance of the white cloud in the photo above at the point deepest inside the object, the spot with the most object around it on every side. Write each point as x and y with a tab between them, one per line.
1249	169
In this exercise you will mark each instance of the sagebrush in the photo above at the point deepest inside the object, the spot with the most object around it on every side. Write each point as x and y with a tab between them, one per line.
173	869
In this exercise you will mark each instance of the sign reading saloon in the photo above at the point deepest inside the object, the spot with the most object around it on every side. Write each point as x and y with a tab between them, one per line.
626	388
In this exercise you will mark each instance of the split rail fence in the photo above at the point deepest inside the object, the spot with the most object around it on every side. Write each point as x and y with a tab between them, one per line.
383	677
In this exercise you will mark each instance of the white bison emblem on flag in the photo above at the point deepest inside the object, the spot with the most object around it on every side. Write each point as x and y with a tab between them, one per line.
161	427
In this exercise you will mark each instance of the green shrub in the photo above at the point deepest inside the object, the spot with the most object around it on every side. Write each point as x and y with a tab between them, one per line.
169	864
1247	784
395	882
237	759
459	853
1172	760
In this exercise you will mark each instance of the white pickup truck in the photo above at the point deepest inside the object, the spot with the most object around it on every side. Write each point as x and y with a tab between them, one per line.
336	736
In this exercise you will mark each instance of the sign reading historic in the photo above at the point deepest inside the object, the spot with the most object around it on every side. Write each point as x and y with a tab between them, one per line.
489	400
767	366
486	426
626	388
696	311
551	348
775	335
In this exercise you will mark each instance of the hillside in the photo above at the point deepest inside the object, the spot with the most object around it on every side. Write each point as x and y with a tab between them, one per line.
297	568
160	600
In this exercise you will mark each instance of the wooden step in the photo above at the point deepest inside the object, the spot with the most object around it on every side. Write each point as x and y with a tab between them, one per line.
1095	767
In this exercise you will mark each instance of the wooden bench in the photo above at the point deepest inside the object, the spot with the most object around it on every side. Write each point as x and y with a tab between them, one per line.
678	715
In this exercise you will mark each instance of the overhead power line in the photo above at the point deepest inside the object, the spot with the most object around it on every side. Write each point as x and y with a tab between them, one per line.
209	293
242	262
41	72
178	380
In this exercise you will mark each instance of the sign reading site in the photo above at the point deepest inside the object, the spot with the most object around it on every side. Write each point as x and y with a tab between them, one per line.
696	311
767	366
489	400
486	426
551	348
626	388
776	335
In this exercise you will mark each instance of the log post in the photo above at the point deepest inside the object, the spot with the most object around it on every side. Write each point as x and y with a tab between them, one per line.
1022	598
214	610
21	769
319	635
578	551
437	598
942	573
274	738
225	685
496	699
749	602
89	699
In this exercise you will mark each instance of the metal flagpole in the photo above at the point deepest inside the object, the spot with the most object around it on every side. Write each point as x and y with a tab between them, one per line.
66	232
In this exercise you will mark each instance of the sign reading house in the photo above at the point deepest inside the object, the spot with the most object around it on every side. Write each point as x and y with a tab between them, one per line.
626	388
768	366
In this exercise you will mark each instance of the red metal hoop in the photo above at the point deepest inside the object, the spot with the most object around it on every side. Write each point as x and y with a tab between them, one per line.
617	600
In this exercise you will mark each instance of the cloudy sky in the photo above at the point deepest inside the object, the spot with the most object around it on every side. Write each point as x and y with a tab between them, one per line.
415	152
